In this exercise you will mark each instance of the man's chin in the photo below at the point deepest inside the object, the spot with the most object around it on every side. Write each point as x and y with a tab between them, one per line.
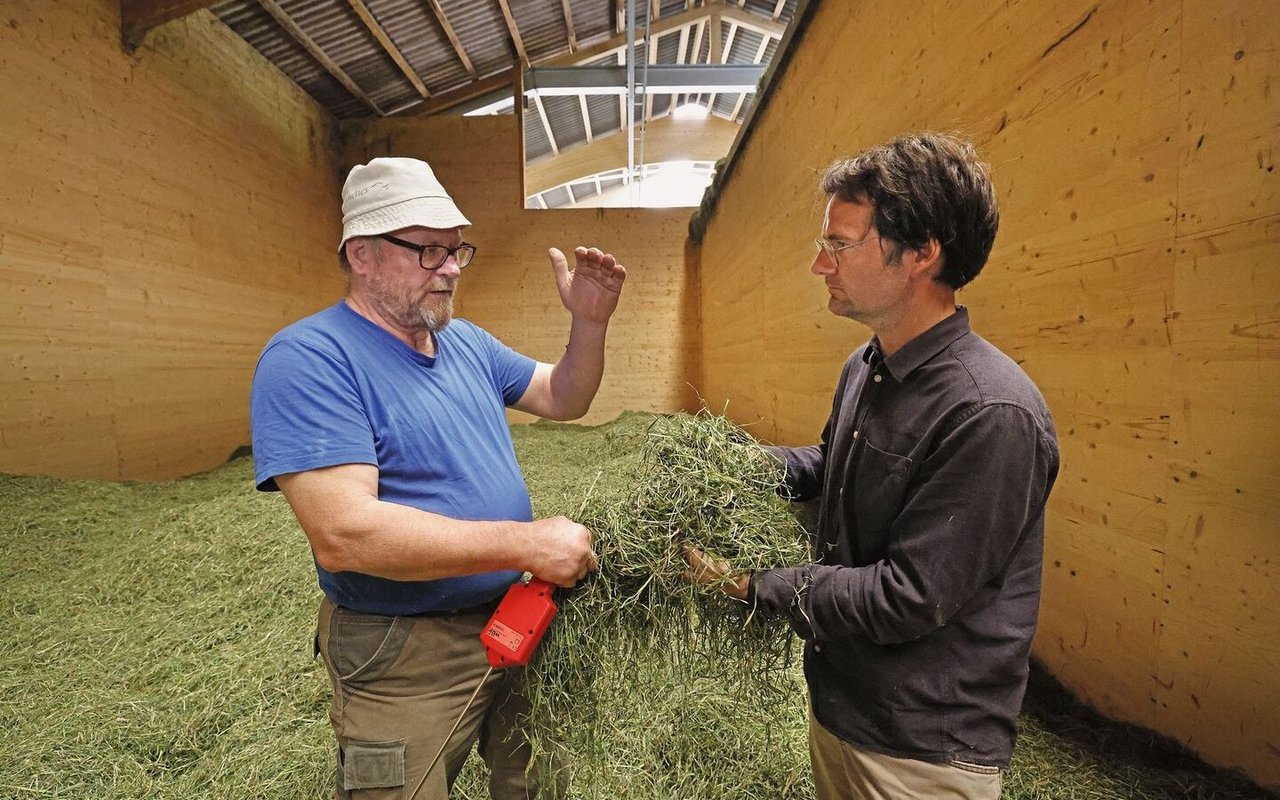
437	321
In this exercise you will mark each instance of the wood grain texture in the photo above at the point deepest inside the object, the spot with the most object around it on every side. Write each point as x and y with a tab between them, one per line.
1134	279
161	215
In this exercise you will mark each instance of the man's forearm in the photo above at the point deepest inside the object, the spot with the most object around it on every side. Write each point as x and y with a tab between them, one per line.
401	543
575	378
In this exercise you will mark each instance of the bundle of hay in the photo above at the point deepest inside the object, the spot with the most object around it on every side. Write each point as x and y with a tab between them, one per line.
646	680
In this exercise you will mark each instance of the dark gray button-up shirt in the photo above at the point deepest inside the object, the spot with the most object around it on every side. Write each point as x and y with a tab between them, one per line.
919	610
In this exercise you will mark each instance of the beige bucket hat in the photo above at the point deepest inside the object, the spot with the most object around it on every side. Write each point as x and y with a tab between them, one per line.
390	194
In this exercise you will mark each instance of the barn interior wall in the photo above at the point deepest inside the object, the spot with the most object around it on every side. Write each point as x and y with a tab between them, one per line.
1134	147
510	289
161	214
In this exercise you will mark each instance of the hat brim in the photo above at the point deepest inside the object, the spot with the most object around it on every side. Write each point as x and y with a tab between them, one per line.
426	212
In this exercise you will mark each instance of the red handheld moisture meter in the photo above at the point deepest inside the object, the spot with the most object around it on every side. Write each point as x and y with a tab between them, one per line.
518	624
509	638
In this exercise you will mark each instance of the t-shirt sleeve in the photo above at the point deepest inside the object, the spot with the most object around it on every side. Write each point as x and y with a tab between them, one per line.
512	371
305	413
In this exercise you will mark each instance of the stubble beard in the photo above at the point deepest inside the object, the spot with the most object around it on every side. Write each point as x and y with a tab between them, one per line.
410	311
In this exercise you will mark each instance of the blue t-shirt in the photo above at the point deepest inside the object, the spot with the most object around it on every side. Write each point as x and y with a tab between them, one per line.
334	388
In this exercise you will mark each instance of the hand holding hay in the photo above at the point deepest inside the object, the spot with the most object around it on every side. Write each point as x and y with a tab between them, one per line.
710	571
640	641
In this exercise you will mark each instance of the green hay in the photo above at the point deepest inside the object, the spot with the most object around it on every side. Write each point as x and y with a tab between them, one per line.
638	636
155	642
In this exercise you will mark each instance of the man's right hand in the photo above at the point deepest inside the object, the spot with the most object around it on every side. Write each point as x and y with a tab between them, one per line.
560	551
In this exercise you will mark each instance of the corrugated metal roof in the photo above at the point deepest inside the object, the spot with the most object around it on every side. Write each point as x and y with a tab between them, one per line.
565	116
592	19
605	112
429	46
536	144
251	23
542	28
418	35
483	33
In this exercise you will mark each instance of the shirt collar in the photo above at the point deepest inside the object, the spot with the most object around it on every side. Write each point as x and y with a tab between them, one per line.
920	349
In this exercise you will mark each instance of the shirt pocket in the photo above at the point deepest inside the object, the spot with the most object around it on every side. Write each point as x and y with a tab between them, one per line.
880	483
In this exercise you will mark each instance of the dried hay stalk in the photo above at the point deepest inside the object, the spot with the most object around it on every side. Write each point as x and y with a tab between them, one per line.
640	662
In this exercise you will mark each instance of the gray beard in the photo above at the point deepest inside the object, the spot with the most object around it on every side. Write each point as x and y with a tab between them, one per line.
435	319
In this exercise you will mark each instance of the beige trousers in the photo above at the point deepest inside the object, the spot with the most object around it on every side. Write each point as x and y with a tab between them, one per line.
399	683
844	772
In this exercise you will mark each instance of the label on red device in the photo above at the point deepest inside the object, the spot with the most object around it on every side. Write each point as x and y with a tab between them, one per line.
505	635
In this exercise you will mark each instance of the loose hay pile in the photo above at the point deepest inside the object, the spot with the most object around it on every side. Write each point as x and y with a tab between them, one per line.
155	642
638	637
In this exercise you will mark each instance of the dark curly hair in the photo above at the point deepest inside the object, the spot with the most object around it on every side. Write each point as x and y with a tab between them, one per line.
924	186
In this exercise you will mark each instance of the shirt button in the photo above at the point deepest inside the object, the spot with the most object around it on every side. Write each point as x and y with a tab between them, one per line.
817	648
855	434
876	378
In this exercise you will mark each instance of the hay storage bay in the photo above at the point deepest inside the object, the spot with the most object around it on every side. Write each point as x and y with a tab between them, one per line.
156	644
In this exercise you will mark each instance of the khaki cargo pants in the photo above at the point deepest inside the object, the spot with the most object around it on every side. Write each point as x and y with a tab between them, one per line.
399	683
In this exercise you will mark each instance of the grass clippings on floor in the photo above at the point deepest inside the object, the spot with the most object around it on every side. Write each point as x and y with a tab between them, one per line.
155	642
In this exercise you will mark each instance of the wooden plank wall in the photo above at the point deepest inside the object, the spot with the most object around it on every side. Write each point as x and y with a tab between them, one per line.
1136	278
161	215
510	289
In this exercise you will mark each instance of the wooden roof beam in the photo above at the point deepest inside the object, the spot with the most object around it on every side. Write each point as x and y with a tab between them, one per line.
696	54
443	101
586	117
764	47
514	30
680	59
389	46
452	35
568	24
754	22
618	42
724	59
311	47
137	17
546	125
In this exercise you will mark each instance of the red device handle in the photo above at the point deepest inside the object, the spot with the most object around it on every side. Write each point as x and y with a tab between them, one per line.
518	624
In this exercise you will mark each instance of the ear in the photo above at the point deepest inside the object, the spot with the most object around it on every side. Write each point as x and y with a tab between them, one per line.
360	254
926	260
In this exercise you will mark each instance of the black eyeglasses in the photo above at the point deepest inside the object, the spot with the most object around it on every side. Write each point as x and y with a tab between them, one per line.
433	256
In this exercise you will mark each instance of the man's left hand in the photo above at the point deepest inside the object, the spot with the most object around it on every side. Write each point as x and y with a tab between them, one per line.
715	572
590	292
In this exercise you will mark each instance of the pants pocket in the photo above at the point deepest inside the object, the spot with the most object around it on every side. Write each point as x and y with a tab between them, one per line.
977	769
372	765
363	647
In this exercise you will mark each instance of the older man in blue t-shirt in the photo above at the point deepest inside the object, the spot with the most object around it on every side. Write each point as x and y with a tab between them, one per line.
382	420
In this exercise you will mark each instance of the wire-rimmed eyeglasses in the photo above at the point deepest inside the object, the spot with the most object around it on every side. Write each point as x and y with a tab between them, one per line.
832	249
433	256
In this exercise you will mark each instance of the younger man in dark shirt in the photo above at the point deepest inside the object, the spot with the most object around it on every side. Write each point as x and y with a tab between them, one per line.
933	472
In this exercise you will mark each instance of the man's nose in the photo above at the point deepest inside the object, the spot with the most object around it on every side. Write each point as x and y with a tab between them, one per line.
822	264
450	268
